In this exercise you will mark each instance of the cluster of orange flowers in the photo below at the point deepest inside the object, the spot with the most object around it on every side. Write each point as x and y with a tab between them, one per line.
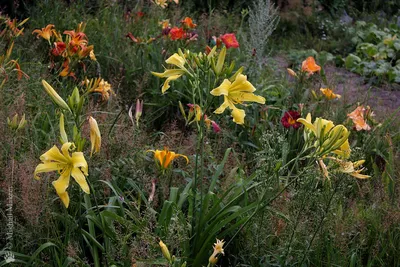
74	48
184	32
179	33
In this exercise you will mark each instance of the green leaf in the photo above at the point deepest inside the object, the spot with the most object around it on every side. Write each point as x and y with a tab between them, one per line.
352	61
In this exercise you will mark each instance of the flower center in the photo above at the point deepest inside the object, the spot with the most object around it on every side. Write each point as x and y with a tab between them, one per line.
291	121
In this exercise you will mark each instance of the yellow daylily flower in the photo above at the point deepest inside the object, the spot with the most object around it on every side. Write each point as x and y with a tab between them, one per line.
350	168
67	165
165	157
100	86
172	74
236	92
95	136
329	94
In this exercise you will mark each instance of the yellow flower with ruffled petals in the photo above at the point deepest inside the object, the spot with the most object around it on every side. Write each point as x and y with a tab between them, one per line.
236	92
67	165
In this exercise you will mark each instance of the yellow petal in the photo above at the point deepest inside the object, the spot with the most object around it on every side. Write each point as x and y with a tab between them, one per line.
78	161
80	179
183	156
307	124
65	150
248	97
238	115
168	158
61	185
47	167
176	60
359	175
166	83
54	154
167	73
344	150
358	163
223	89
241	84
222	108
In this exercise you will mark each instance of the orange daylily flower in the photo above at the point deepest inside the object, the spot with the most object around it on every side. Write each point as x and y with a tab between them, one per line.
77	40
188	22
357	116
85	51
45	33
65	70
310	66
329	94
165	157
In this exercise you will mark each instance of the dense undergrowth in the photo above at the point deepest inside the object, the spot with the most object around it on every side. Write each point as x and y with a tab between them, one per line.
169	136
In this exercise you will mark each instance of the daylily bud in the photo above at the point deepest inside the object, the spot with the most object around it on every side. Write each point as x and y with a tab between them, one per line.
22	123
63	134
239	71
165	251
130	115
231	67
291	72
74	98
211	53
56	98
13	123
216	127
95	136
138	111
221	61
182	110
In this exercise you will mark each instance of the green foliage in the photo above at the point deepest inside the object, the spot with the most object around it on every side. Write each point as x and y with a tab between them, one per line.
377	52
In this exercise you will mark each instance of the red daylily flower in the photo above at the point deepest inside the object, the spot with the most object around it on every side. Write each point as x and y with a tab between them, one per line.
229	39
290	119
